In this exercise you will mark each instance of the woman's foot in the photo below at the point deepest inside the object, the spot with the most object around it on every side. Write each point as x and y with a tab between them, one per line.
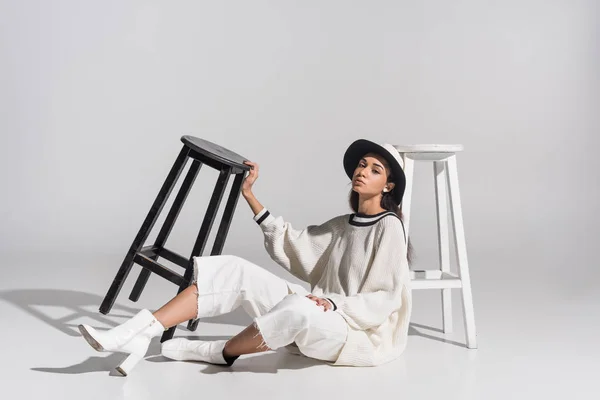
182	349
132	337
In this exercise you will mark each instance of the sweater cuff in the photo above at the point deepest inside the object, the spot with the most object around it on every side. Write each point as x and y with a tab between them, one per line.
336	299
332	303
263	218
260	214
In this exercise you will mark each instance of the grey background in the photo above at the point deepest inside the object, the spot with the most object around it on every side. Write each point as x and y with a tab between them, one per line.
94	97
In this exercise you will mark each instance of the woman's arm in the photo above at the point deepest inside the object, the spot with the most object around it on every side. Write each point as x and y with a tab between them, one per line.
297	250
252	202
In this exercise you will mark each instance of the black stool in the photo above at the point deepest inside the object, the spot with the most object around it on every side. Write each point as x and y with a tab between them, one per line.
203	152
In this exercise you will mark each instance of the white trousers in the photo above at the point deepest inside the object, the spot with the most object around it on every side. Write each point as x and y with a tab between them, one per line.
280	309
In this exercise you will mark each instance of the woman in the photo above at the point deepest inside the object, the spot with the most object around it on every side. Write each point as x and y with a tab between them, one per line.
359	307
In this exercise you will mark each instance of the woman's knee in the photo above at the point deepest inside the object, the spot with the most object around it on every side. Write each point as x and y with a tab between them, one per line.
292	300
297	309
288	320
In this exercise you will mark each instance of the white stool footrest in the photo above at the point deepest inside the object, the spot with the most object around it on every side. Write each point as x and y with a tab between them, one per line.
434	279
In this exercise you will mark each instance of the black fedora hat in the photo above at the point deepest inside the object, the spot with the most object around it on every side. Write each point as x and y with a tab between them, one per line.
359	148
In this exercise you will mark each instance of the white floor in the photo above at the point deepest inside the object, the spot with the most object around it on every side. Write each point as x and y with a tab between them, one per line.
533	342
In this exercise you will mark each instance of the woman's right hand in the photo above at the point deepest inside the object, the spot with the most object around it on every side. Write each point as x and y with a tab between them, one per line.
320	302
250	178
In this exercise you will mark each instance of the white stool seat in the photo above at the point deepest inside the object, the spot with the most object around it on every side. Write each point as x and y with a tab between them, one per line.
443	157
429	152
430	148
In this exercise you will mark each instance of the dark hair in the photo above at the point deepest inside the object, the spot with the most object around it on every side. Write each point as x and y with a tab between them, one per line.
387	203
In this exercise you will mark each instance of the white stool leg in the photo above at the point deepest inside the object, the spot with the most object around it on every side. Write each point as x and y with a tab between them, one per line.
461	253
439	174
406	199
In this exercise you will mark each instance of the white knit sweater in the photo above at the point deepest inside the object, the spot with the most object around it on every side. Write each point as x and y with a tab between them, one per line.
359	262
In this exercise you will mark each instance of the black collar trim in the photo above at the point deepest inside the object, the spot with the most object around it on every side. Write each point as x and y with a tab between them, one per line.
361	215
359	219
367	220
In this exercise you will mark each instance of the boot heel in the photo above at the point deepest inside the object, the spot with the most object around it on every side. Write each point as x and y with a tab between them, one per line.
127	365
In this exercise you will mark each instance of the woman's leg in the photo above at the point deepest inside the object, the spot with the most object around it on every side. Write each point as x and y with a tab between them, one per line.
223	284
182	307
248	341
319	334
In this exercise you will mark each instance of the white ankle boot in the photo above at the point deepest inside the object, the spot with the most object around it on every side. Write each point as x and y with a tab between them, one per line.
132	337
182	349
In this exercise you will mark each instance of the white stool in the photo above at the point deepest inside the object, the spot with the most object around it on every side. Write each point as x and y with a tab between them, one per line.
445	176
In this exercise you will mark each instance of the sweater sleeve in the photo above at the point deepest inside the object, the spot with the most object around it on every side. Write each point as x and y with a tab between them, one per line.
298	251
381	293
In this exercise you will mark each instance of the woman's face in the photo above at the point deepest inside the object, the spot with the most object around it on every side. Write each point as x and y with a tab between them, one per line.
370	176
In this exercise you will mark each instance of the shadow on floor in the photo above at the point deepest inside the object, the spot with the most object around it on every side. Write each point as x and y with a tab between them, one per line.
412	331
80	302
92	364
269	362
83	304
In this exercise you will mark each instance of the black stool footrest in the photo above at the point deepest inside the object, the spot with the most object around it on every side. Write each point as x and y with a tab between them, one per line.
158	269
173	257
154	251
149	251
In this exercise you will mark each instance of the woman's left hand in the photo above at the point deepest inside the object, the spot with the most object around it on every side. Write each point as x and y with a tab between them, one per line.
320	302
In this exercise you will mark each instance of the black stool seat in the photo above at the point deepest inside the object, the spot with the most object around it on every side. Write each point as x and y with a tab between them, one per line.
202	152
215	152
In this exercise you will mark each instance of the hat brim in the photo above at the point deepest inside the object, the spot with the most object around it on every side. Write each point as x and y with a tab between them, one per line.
356	152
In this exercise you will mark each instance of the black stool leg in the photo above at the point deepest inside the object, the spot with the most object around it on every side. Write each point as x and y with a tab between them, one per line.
234	195
144	231
207	223
140	284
